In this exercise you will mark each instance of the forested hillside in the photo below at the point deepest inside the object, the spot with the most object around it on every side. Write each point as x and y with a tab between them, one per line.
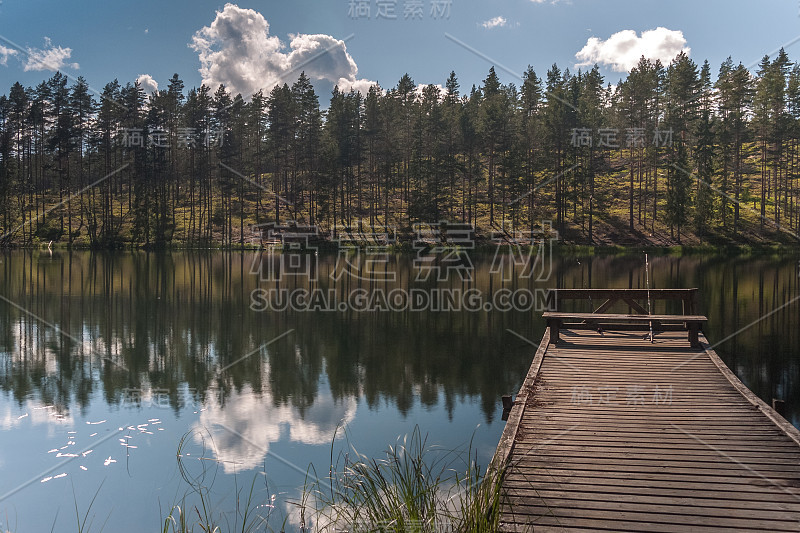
672	154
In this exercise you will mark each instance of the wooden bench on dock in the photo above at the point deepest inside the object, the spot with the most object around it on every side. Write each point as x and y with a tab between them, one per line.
620	322
639	303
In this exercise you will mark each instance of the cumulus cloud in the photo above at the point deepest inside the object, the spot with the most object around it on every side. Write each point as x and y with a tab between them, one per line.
148	83
496	22
623	50
5	53
237	50
361	86
243	430
48	58
422	86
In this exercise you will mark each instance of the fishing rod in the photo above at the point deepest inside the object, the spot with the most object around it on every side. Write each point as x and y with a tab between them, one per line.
647	277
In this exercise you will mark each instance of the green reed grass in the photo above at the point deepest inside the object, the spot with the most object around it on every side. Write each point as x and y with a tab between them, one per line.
411	487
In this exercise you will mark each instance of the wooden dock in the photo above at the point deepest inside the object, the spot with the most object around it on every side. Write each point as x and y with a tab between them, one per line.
611	432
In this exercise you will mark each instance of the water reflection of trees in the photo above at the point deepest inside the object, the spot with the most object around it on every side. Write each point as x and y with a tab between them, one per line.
171	321
136	321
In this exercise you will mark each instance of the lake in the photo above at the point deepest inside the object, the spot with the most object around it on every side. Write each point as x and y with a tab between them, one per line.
251	363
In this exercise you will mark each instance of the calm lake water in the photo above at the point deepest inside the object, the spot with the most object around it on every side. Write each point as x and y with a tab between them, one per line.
108	360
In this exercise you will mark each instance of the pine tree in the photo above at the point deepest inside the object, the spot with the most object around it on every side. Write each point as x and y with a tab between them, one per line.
531	135
108	120
769	108
451	109
735	95
704	153
17	109
590	116
61	143
307	137
280	136
793	131
682	86
495	117
82	106
556	120
6	170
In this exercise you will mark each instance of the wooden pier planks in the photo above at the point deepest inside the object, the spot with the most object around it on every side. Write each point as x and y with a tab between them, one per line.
612	433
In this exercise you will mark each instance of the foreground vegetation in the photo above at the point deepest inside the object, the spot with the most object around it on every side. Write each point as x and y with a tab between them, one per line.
668	156
414	487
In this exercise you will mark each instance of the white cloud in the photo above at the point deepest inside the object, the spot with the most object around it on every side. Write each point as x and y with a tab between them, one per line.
35	413
496	22
148	83
5	53
237	51
421	87
244	429
48	58
624	49
361	86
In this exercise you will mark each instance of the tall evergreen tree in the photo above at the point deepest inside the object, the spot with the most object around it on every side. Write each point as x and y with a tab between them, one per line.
682	85
704	153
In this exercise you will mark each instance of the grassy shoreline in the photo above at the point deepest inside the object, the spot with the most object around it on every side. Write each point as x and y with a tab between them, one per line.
480	248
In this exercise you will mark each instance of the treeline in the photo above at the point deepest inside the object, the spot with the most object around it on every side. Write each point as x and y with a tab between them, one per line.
672	150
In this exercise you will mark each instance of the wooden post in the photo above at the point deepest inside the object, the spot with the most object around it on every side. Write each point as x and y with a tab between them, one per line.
554	324
507	405
692	303
779	406
694	330
507	402
552	300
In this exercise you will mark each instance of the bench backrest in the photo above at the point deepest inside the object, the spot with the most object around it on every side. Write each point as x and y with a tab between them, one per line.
601	300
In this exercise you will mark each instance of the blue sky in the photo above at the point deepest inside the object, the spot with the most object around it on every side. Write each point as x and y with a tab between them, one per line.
112	39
